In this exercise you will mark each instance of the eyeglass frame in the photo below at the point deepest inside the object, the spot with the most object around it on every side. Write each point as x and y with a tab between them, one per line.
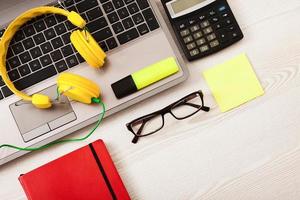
163	112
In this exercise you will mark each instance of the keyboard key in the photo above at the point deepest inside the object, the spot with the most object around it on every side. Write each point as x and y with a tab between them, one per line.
66	38
56	55
2	32
14	75
14	62
191	46
45	60
50	21
46	47
97	24
70	26
60	18
138	18
79	57
25	57
102	34
29	30
214	43
9	53
28	43
39	38
111	43
205	24
207	30
143	4
188	39
128	23
1	82
133	8
6	92
103	46
113	17
128	36
71	61
36	77
67	50
118	27
197	35
86	5
40	26
1	96
195	28
214	19
143	29
150	19
68	3
18	48
19	36
118	3
35	65
24	70
57	43
60	29
211	37
128	1
35	52
123	13
108	7
94	14
61	66
50	33
184	32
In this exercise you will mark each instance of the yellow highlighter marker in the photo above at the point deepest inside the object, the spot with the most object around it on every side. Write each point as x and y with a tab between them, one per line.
145	77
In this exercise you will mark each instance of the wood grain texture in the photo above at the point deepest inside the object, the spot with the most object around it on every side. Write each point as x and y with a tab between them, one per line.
249	153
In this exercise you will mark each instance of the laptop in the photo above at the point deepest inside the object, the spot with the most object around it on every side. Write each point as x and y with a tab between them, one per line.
134	34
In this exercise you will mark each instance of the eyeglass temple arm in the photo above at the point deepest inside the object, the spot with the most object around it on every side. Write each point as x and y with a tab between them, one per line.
204	108
136	138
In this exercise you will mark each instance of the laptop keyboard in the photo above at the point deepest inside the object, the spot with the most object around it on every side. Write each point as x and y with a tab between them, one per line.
42	48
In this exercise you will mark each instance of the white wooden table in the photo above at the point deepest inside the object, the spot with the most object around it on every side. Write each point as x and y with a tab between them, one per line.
249	153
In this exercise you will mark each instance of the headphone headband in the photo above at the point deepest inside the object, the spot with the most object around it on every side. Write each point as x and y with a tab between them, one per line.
14	26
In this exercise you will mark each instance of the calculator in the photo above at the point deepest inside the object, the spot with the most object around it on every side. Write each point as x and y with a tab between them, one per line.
202	27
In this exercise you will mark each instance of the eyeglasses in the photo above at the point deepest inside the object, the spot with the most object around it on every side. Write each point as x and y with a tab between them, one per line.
182	109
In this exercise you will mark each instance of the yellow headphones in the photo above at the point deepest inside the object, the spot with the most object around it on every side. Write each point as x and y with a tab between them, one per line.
73	86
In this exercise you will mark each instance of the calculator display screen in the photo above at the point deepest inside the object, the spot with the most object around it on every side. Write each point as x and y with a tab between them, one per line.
181	5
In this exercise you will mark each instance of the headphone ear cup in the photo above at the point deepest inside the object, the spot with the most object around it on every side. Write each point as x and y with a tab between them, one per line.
88	48
77	88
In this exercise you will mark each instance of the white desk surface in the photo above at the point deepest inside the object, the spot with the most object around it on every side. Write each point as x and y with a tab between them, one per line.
249	153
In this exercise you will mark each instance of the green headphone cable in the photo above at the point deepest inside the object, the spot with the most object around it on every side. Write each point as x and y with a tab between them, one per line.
101	116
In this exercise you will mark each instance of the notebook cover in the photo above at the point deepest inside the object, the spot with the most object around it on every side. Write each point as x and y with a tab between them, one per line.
87	173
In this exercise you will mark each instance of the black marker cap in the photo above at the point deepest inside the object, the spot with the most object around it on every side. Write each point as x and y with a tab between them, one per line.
124	87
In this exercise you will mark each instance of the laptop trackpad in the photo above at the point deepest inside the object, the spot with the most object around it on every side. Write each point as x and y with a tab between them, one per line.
33	122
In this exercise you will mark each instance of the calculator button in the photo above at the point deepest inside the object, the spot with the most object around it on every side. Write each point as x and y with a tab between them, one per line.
224	15
205	24
214	19
182	26
207	30
194	52
188	39
204	48
218	26
202	17
198	35
212	13
191	46
234	35
192	21
228	22
211	37
222	8
223	36
214	43
231	28
185	32
200	41
195	28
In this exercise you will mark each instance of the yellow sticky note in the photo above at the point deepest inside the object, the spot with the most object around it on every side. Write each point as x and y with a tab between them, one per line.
233	83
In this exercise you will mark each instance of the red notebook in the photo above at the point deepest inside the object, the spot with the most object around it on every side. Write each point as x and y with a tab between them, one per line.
85	174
